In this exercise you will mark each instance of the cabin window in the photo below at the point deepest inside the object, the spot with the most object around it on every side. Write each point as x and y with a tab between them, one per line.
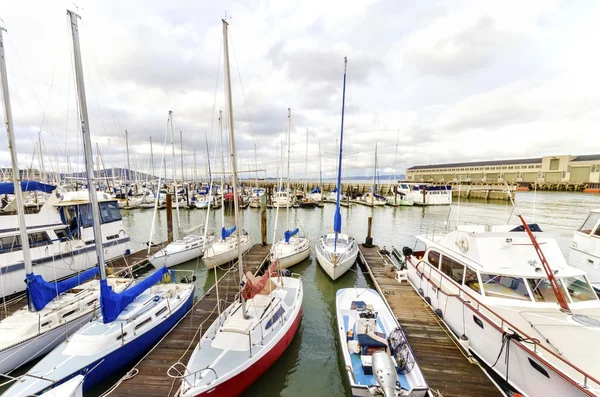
589	223
499	286
10	243
579	289
452	268
471	280
70	312
146	321
542	289
434	258
61	233
109	212
38	239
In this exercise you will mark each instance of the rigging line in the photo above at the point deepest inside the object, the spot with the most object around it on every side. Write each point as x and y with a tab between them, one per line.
112	108
96	98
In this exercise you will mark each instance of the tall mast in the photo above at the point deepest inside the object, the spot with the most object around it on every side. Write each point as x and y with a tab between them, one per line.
87	143
320	172
14	162
128	167
195	164
152	160
396	156
288	192
181	154
174	171
222	167
42	168
98	178
337	219
306	163
233	160
255	166
374	175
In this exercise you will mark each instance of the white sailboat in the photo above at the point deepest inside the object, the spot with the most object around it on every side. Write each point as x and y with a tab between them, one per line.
294	247
337	252
129	323
224	250
251	334
54	310
378	359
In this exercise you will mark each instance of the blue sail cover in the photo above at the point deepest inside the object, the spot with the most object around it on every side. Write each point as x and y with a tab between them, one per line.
337	221
40	291
26	186
289	233
316	190
226	233
113	303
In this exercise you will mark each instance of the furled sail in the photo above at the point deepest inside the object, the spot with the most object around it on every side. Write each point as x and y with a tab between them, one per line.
289	233
40	291
113	303
26	186
226	233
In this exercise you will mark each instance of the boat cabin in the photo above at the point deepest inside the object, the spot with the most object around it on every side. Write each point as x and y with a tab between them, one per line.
584	252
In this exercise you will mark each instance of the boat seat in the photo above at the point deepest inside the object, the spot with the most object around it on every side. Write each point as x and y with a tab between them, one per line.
237	325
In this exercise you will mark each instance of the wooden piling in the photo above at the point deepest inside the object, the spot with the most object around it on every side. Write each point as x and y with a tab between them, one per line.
169	219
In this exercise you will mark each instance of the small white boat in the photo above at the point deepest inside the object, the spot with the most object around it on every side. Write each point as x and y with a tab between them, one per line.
371	200
584	252
282	200
377	357
426	193
290	250
336	258
180	251
71	388
223	251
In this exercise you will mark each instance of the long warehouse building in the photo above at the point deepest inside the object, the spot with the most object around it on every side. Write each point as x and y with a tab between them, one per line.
564	168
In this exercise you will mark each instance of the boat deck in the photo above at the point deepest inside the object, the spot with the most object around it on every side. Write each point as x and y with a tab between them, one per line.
137	260
177	346
443	364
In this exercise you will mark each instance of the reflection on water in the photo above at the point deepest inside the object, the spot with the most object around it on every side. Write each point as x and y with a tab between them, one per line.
311	365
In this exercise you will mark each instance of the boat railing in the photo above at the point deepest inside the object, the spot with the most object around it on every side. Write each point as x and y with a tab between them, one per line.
499	319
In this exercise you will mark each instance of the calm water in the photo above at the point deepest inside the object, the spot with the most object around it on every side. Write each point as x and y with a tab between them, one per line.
310	366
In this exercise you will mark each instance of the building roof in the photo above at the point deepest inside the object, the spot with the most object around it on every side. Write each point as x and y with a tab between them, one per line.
587	157
480	163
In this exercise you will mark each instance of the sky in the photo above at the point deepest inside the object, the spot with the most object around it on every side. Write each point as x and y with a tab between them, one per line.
427	82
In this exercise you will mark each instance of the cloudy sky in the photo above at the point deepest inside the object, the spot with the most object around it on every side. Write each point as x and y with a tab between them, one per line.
450	80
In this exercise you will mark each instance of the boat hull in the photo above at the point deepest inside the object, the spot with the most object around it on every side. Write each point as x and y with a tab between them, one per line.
176	258
37	346
335	272
211	261
237	384
294	259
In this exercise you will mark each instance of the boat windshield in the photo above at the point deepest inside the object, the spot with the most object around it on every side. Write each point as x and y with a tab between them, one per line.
579	289
590	222
499	286
542	289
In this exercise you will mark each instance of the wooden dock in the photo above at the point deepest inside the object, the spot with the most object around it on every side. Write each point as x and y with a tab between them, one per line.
443	363
150	377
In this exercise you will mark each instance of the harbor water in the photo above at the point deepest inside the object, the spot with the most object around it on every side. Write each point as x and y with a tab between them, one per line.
311	365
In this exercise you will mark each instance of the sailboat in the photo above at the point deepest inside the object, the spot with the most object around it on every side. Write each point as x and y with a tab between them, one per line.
371	198
293	248
54	310
129	323
251	334
336	252
224	250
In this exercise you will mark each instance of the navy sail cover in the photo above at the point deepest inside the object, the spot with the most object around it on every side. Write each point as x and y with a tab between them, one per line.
289	233
113	303
26	186
226	233
40	291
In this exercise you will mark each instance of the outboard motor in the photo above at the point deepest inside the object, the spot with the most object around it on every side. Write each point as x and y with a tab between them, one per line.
385	373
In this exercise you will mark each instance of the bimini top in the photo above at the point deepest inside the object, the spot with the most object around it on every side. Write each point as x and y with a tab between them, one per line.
26	186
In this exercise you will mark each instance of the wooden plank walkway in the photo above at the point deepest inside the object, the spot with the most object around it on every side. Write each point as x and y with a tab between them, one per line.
136	260
179	343
443	363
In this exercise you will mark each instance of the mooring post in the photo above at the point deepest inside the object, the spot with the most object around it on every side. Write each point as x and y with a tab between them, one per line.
263	219
369	240
169	219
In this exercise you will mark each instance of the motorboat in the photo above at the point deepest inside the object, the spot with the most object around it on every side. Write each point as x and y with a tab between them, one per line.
378	359
584	252
510	298
307	202
181	251
60	236
282	200
425	193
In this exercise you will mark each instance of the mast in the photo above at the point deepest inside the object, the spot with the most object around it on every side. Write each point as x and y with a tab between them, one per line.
396	168
98	178
195	165
320	173
14	162
306	165
288	192
181	154
374	176
255	166
42	168
233	160
152	162
129	165
337	219
87	143
174	172
222	167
